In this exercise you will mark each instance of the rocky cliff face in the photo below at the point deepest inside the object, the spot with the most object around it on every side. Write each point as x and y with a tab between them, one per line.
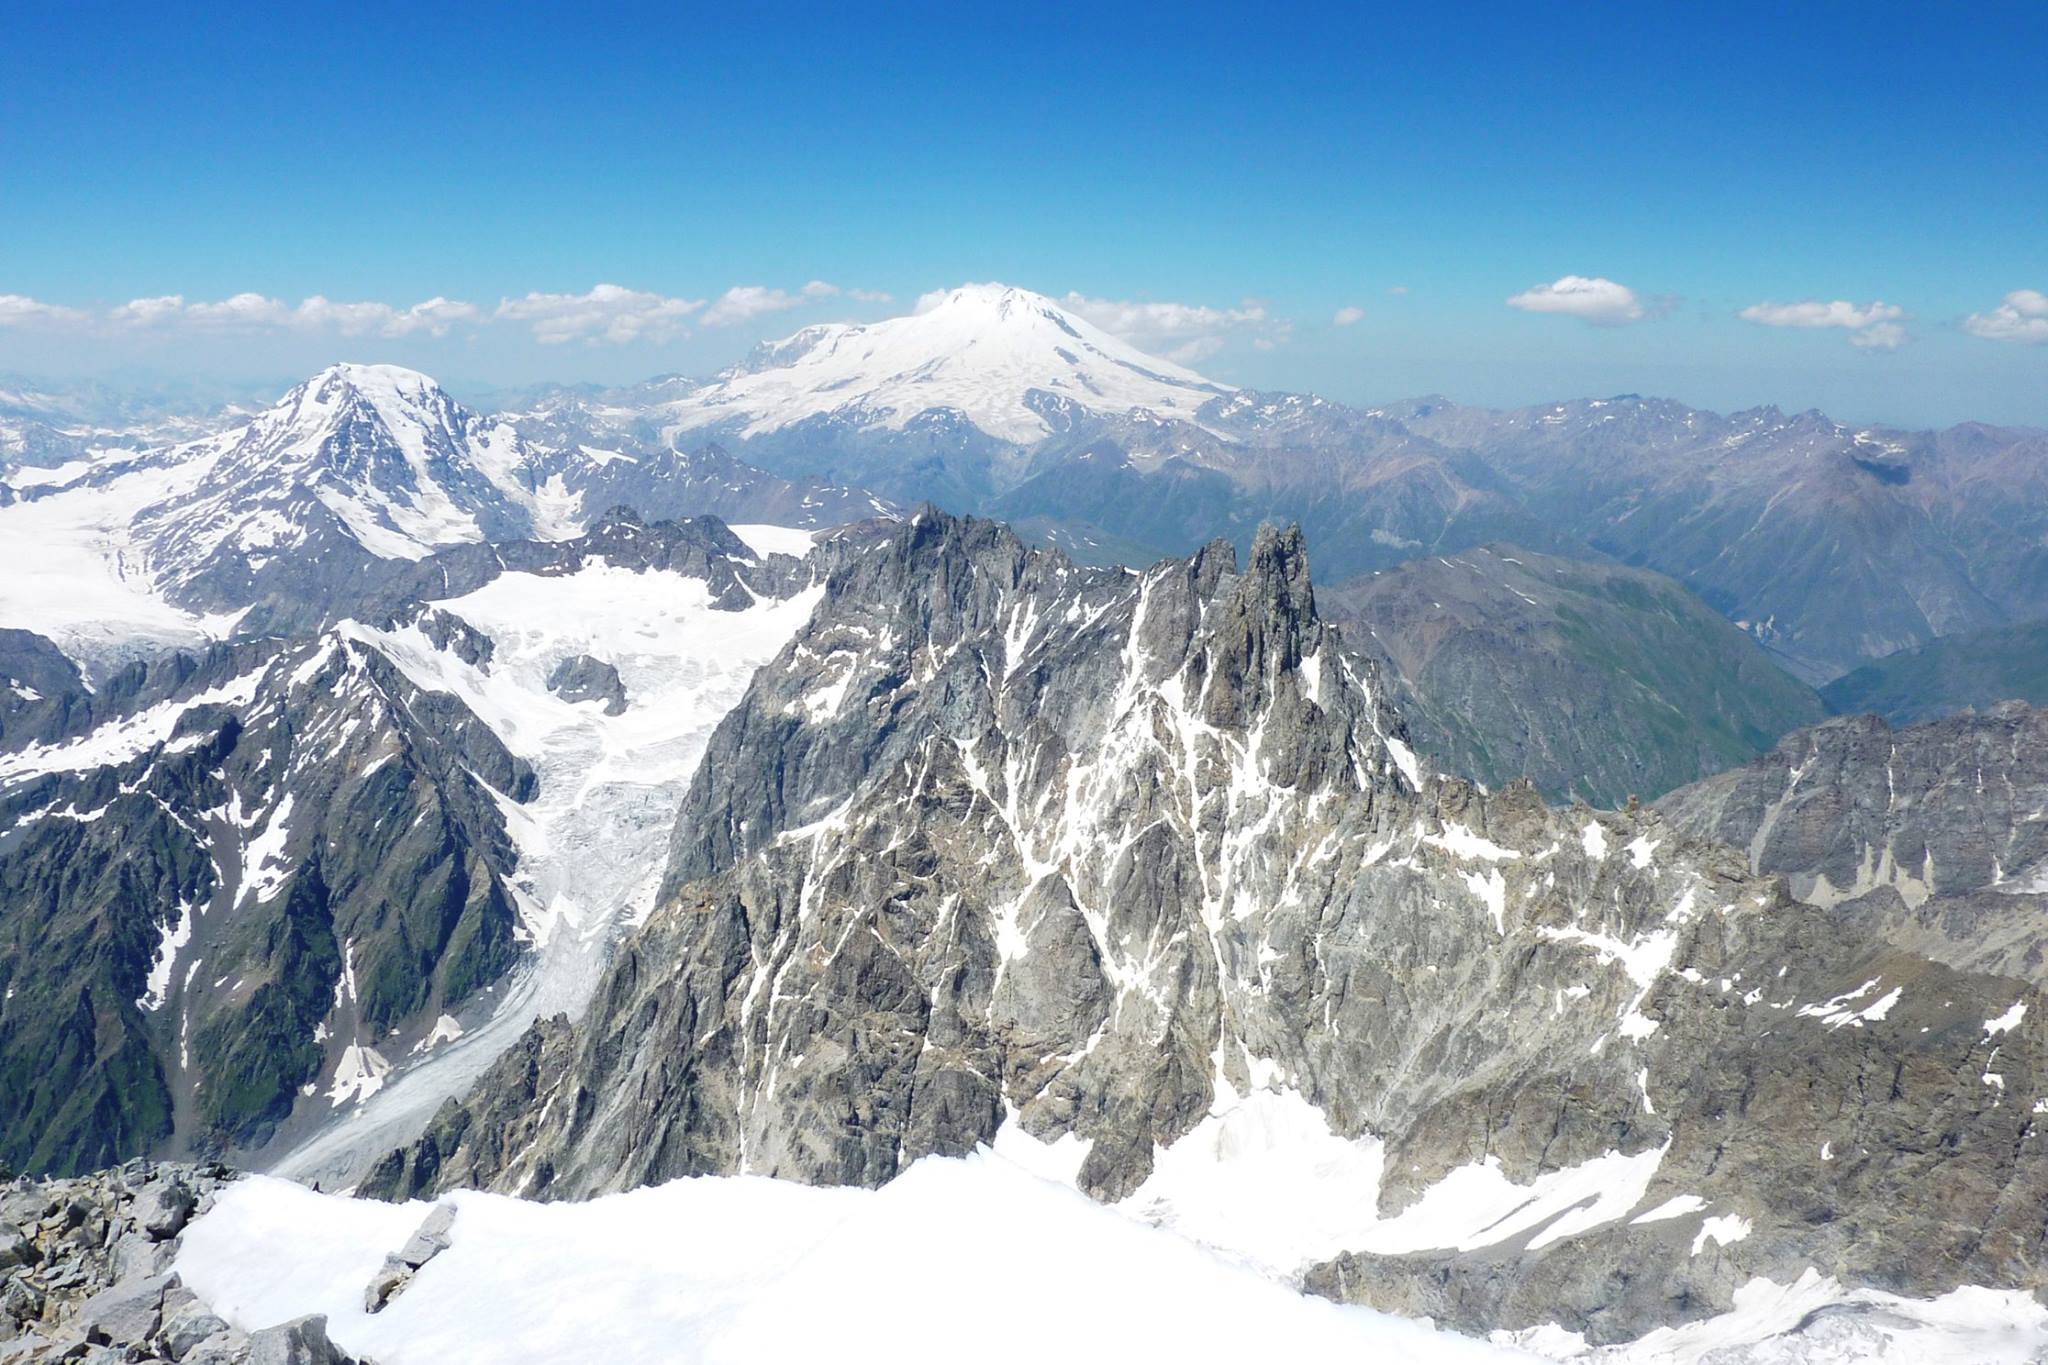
41	691
1108	856
1928	835
278	873
245	889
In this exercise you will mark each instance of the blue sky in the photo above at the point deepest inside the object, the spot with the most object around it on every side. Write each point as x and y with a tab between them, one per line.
1305	160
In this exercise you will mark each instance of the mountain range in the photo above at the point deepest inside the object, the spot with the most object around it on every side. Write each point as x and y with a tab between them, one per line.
1830	544
966	739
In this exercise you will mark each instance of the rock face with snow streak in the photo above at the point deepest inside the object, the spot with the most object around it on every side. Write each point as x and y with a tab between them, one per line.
1001	839
1928	835
246	888
250	891
266	871
41	692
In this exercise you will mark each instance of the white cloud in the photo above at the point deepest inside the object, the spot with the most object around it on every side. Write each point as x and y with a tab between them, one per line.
1872	326
18	310
241	311
1880	336
148	312
435	317
2023	317
1181	332
1397	289
1591	298
1816	314
255	312
609	313
745	302
1347	315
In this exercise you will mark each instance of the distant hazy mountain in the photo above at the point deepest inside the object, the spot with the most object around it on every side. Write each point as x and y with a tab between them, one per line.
1594	680
1830	545
1977	668
45	424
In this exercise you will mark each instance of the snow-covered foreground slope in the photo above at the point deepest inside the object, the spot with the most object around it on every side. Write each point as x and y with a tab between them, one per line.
977	1257
973	1258
593	841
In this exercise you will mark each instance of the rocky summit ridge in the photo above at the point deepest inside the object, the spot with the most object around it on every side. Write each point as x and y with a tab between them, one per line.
998	844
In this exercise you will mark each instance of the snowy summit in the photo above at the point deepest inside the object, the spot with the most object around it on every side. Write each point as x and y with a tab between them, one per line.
999	357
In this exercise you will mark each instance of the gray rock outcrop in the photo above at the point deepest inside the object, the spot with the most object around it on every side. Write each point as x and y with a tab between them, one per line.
1928	836
582	678
85	1276
429	1240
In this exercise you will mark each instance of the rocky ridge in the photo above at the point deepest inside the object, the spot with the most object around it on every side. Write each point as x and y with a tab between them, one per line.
1929	836
998	840
85	1275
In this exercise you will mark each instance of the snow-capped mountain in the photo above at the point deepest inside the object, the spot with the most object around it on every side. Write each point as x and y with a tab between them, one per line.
376	453
324	499
1009	363
358	466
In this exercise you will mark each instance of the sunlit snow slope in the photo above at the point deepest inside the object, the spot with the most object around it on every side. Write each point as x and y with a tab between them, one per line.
750	1269
730	1269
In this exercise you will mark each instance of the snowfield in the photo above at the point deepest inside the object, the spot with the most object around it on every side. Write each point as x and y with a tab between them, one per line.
974	1259
980	1258
1264	1180
76	571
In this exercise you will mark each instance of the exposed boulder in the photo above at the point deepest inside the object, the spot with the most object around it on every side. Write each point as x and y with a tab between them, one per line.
582	678
429	1240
